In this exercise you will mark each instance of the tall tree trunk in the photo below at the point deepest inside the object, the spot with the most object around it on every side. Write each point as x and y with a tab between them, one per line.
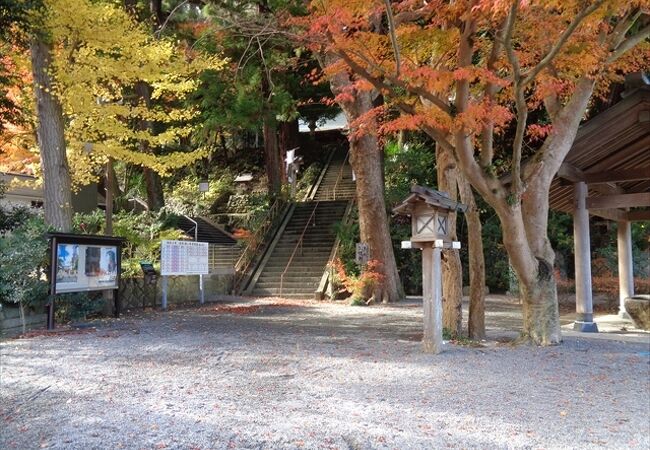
452	278
373	220
476	320
541	320
51	141
365	160
155	194
153	182
272	157
111	183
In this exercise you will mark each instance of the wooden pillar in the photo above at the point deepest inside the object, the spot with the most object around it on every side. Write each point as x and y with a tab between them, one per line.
432	299
625	265
584	303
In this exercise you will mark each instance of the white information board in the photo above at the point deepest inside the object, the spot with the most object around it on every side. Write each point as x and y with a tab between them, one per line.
83	267
184	258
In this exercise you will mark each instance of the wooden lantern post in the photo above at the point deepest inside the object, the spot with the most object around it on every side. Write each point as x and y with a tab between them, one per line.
429	210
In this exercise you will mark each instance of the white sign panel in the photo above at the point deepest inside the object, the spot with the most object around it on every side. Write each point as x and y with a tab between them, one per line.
184	258
83	267
362	254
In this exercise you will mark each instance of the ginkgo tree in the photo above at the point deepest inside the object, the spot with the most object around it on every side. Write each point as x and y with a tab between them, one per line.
101	54
465	70
98	53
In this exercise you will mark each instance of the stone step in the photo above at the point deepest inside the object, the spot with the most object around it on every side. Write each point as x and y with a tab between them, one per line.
292	293
287	284
304	268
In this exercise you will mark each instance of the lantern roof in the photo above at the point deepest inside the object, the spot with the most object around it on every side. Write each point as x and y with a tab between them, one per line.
431	197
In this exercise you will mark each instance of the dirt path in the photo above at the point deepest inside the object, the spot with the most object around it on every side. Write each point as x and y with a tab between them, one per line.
302	375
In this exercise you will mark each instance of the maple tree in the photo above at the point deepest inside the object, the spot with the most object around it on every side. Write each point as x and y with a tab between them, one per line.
463	71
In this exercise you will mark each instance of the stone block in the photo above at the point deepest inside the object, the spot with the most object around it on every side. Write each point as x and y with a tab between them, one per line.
638	307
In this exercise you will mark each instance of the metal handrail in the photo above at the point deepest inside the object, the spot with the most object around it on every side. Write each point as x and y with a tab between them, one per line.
246	258
298	244
327	273
314	188
340	175
196	227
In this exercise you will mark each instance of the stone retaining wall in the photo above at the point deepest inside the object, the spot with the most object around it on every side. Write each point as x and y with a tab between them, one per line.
134	293
10	323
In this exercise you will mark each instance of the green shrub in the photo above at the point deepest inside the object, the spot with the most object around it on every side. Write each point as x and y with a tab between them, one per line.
184	197
78	306
23	258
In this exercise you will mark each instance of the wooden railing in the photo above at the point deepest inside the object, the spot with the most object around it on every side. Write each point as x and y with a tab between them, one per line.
298	244
248	255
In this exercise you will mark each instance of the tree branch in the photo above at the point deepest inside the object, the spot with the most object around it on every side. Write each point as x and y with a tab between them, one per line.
520	100
629	44
624	25
491	89
393	36
394	82
162	27
507	40
564	37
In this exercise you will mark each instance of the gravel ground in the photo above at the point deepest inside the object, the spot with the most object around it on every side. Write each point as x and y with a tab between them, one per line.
276	374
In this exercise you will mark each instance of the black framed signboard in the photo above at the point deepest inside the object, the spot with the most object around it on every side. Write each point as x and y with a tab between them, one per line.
84	262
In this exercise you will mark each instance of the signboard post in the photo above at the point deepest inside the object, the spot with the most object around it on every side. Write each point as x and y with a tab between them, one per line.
81	263
150	281
362	254
183	258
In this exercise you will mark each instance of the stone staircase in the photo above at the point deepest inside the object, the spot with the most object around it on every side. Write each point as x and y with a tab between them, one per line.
337	182
223	250
316	219
207	232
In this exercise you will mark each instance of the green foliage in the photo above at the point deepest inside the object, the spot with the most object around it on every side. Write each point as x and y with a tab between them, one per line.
11	218
608	250
348	235
497	267
307	180
23	258
412	163
142	231
78	305
184	197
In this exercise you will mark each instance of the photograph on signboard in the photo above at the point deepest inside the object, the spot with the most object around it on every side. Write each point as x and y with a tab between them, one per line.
108	264
93	254
68	263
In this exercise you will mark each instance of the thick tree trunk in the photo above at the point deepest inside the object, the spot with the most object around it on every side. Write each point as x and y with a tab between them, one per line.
272	157
476	320
373	220
272	160
155	194
452	278
541	319
540	309
51	141
365	159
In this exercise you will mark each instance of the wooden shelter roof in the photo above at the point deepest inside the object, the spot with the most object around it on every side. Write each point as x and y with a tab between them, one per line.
436	199
611	154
